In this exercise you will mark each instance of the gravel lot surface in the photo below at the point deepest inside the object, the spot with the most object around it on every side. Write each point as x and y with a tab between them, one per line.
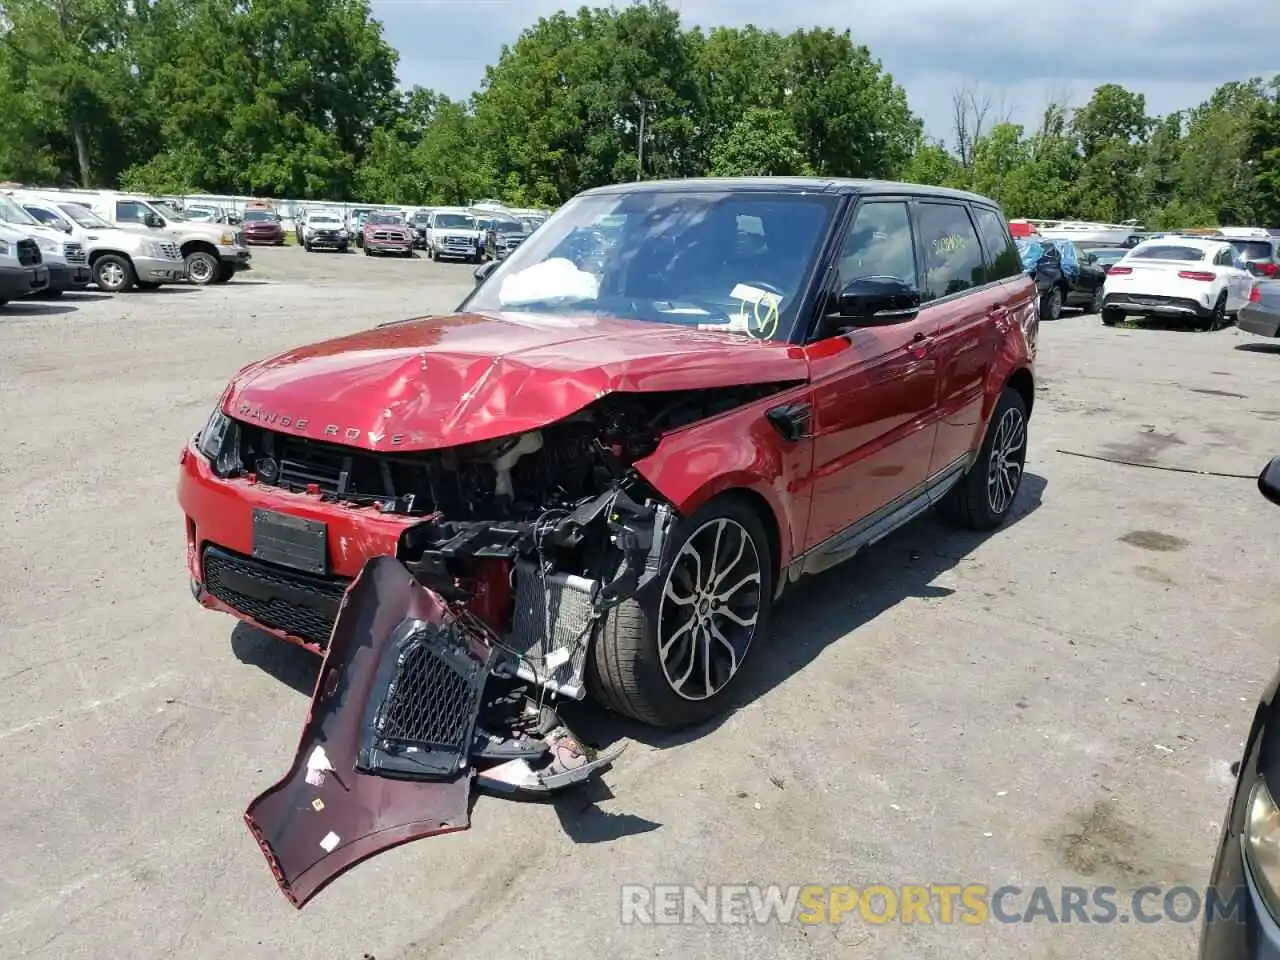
1058	703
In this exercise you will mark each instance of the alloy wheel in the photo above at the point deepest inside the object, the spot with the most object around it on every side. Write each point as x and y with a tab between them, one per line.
709	608
1008	454
200	270
111	275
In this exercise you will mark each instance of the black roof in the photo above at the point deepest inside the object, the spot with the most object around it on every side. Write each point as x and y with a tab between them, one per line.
835	185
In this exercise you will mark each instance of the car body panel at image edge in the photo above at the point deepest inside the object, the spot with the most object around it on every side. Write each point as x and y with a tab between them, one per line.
1261	314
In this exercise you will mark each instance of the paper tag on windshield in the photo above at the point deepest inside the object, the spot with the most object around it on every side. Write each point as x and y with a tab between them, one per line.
746	293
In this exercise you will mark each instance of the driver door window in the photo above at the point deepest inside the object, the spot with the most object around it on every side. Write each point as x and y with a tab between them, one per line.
128	211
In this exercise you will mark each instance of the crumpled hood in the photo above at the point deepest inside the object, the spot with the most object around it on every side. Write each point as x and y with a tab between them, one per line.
444	381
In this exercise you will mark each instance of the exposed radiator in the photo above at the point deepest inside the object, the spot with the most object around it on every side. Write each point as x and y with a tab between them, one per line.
564	602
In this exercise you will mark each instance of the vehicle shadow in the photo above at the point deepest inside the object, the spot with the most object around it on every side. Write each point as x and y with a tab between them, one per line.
818	611
86	296
34	308
291	665
1259	347
167	290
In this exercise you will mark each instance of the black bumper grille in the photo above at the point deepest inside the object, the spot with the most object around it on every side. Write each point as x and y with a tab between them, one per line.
277	597
29	253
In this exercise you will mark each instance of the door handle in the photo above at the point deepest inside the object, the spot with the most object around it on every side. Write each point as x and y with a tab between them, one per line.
919	346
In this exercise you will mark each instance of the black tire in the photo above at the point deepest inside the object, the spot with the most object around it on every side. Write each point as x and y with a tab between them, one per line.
50	294
972	503
224	273
1216	320
625	671
1095	304
435	257
1051	304
1111	316
147	285
306	246
202	268
368	252
114	273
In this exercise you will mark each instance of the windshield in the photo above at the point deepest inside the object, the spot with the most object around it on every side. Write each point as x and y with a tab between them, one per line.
509	226
322	218
459	221
10	212
84	216
167	211
1162	251
720	260
260	216
1252	249
384	218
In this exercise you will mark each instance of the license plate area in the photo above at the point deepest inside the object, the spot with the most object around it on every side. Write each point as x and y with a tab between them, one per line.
290	541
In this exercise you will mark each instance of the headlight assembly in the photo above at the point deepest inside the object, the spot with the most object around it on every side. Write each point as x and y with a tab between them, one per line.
218	442
227	240
49	246
1262	845
4	249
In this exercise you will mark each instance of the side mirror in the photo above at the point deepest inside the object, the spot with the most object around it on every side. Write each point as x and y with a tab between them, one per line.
877	302
1269	481
64	226
483	271
1090	258
153	220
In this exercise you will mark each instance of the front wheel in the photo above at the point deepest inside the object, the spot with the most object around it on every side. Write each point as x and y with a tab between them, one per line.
224	273
113	273
985	494
1095	305
671	658
1051	304
202	267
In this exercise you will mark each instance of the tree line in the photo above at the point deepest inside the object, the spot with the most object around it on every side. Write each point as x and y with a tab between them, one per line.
298	99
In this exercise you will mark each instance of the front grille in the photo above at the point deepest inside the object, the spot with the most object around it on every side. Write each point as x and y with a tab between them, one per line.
170	249
29	253
424	724
74	252
276	597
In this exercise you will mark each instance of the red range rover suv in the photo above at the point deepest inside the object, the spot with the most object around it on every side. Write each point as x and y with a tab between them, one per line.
667	405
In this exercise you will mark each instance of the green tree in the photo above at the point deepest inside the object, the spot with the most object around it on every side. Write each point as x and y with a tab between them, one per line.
761	144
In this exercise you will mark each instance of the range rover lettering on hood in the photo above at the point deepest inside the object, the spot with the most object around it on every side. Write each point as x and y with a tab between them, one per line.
333	431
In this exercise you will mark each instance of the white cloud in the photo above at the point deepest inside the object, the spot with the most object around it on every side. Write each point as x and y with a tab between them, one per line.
1175	52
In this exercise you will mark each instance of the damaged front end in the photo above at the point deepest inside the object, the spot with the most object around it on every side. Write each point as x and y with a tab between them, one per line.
444	662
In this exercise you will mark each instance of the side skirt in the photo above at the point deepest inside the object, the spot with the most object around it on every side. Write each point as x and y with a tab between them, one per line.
842	546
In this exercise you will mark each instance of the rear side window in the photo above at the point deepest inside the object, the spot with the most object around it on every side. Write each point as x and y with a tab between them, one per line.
1167	252
1000	254
953	255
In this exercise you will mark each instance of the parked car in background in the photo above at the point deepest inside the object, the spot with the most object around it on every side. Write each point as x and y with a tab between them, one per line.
119	260
355	225
1198	279
22	269
386	232
214	253
1261	314
1261	254
1064	276
418	224
65	258
1105	257
324	230
757	379
453	234
501	236
208	213
1242	904
263	227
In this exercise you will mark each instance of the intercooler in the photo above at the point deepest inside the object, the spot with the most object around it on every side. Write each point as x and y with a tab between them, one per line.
551	628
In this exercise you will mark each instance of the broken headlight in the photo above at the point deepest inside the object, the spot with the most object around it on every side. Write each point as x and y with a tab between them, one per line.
216	442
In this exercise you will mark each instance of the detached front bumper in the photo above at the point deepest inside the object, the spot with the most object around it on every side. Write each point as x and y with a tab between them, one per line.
18	282
159	270
291	604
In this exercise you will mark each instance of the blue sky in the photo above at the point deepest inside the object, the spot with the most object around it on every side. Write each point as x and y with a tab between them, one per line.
1173	51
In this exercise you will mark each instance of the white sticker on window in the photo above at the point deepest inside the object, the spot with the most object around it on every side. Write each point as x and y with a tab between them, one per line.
745	293
330	842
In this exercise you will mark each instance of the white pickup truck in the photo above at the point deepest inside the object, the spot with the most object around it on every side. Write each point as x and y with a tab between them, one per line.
453	233
66	260
213	252
119	260
22	272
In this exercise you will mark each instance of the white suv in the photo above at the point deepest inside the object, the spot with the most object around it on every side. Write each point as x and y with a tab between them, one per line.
1198	279
22	272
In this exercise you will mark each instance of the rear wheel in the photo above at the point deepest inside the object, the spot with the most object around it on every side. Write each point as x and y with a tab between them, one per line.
672	658
1111	316
985	494
113	273
1217	318
1095	305
1051	304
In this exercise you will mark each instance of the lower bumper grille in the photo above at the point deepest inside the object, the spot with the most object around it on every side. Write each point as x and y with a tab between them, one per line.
300	605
